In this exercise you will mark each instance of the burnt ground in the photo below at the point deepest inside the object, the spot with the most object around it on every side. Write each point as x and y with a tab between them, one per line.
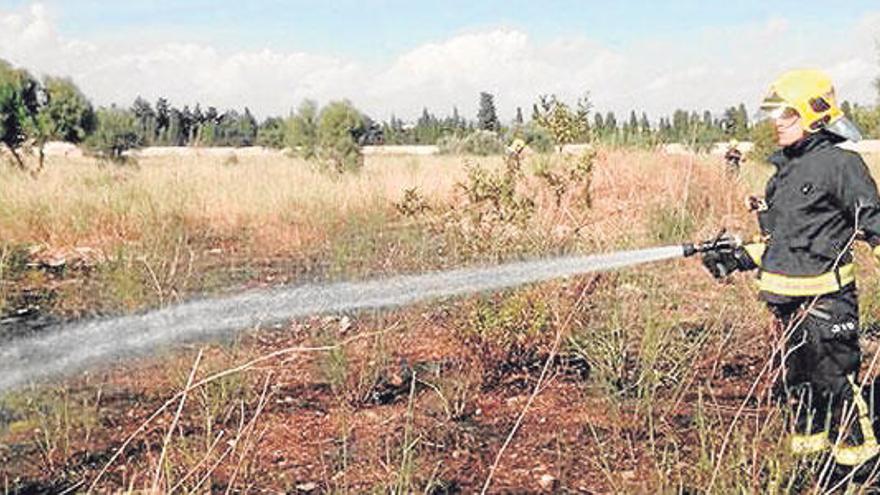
414	407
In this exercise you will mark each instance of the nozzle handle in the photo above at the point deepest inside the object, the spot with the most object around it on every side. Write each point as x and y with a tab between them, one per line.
721	242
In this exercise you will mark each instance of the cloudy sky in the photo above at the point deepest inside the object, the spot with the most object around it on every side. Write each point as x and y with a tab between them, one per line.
396	56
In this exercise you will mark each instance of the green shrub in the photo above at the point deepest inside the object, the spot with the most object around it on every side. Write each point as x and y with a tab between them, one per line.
510	332
539	139
337	147
493	196
116	134
450	144
479	142
302	130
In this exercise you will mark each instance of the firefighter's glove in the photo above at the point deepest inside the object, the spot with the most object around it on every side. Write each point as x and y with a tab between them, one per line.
721	263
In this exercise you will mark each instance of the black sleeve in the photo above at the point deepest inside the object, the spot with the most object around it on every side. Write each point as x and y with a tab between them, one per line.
858	196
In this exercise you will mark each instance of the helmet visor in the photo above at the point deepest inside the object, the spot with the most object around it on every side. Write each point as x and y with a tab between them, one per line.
774	106
773	111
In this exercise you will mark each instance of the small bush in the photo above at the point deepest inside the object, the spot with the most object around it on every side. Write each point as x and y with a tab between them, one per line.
493	196
116	134
449	145
412	204
539	139
480	142
509	332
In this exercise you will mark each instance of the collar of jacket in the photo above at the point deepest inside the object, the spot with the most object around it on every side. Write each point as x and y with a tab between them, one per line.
811	142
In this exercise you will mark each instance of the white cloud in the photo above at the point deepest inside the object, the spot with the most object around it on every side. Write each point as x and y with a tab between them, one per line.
707	69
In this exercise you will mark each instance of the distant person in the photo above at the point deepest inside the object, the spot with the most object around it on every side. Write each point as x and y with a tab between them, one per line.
733	157
515	153
819	200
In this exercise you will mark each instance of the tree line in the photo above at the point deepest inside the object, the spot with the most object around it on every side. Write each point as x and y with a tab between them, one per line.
33	112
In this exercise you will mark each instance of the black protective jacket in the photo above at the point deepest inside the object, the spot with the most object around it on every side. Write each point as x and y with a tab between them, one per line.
813	201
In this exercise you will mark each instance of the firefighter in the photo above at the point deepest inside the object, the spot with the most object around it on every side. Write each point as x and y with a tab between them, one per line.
733	156
819	200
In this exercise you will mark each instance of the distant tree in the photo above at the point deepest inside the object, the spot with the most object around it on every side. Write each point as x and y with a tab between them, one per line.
645	124
198	120
633	122
565	124
736	121
458	122
518	120
145	118
187	122
487	118
393	131
680	125
174	133
271	133
428	128
610	122
452	125
664	130
117	133
65	114
302	130
163	120
743	118
20	104
247	127
707	118
598	123
235	129
211	115
694	120
208	128
69	114
338	124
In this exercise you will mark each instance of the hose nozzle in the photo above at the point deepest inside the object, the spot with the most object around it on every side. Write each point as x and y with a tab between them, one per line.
722	242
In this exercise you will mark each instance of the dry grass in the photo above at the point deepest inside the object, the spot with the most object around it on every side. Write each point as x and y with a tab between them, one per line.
75	202
174	226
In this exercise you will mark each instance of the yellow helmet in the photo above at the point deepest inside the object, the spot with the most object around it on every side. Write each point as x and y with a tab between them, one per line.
811	94
733	143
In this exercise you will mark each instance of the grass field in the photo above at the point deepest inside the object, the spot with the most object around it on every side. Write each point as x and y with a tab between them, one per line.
654	379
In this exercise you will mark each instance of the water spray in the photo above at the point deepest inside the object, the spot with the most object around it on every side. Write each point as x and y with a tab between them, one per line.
66	349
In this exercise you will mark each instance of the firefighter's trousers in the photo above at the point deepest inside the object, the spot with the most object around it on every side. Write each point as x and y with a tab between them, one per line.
821	359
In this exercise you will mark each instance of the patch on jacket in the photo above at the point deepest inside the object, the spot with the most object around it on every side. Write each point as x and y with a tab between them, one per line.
807	188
